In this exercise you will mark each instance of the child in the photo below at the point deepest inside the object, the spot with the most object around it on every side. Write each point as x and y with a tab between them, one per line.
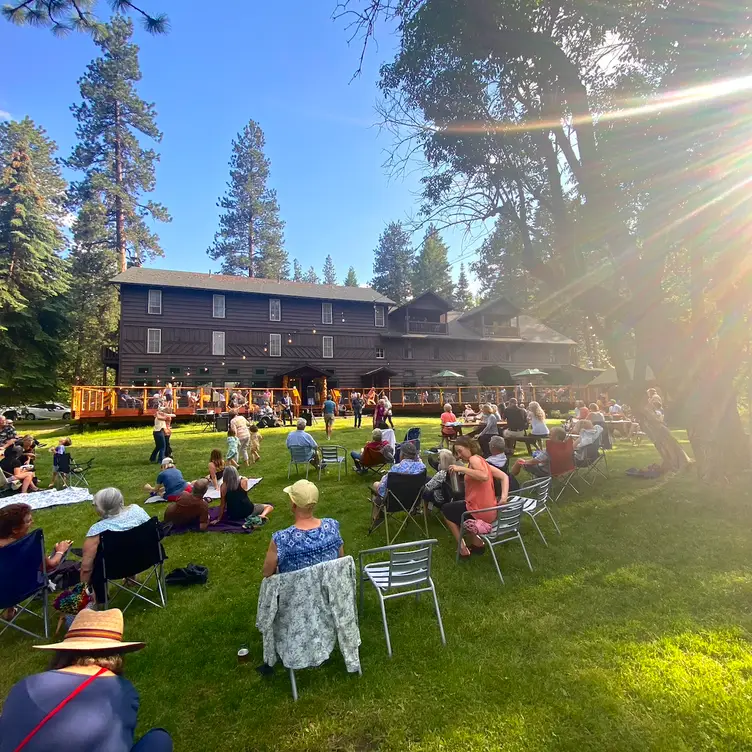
167	434
254	444
56	452
232	447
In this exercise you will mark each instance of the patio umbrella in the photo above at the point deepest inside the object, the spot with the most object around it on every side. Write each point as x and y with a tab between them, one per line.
447	375
529	372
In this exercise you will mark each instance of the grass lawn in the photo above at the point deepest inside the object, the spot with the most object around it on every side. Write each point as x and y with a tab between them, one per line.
631	634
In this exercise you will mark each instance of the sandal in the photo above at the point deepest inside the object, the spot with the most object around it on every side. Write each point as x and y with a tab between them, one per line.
477	550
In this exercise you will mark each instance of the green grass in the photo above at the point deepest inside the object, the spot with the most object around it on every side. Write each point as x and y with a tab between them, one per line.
631	634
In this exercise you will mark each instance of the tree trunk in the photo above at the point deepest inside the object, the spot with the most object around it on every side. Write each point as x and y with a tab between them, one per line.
119	218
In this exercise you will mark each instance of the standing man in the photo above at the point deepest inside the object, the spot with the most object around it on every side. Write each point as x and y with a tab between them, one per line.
357	407
330	410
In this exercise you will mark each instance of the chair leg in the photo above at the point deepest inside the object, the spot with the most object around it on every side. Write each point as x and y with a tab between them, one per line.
289	468
495	560
45	614
537	527
438	614
553	520
386	627
524	550
294	686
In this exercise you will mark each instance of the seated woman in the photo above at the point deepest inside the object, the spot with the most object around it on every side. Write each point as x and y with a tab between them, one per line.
479	493
468	413
448	432
109	504
216	467
437	490
235	504
488	427
537	419
597	418
190	506
376	444
309	540
589	434
104	713
14	465
539	465
170	481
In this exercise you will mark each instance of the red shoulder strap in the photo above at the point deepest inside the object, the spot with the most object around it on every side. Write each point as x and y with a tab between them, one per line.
58	708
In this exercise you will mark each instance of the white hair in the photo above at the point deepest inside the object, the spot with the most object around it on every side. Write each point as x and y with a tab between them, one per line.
448	407
446	458
109	502
301	423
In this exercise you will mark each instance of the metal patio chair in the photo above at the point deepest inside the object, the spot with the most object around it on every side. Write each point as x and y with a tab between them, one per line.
333	454
537	493
407	572
300	455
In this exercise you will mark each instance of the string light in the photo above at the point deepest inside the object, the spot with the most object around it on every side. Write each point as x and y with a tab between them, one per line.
314	331
244	357
223	362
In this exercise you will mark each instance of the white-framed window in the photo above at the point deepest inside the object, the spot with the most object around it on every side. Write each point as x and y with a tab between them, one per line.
380	353
378	315
154	305
218	306
327	347
275	345
154	341
326	313
275	309
218	343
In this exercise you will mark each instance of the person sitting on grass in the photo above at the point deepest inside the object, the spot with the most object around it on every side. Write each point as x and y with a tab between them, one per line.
436	490
376	444
539	465
85	673
216	468
479	493
170	482
299	438
14	466
235	504
190	506
309	540
409	464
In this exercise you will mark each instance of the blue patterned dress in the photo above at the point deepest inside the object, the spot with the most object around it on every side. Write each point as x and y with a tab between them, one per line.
297	549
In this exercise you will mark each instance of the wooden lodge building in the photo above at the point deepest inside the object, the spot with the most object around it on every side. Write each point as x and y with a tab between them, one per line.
226	331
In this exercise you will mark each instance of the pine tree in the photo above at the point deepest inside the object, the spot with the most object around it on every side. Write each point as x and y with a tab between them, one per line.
297	271
117	170
33	275
311	277
431	271
250	236
392	264
351	280
330	275
463	297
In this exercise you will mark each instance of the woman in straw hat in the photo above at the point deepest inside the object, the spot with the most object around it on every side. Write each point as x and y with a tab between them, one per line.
82	702
309	540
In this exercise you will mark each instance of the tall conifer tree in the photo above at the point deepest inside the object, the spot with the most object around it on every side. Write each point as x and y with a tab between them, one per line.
330	274
393	263
250	236
297	271
311	277
351	280
431	272
118	171
463	297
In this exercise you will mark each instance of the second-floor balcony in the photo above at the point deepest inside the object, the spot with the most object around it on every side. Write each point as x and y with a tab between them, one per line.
500	331
426	327
109	356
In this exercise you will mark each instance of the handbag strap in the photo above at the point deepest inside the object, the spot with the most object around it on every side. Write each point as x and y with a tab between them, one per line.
58	708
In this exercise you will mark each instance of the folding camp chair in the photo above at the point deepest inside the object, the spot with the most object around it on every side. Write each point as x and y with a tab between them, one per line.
332	454
537	493
26	560
300	455
563	470
593	464
404	494
125	554
72	473
413	436
8	484
505	528
374	461
409	566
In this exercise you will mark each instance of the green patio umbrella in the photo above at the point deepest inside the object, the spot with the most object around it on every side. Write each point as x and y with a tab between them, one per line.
529	372
447	375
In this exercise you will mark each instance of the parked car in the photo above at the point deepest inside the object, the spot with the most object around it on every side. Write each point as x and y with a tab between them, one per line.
46	411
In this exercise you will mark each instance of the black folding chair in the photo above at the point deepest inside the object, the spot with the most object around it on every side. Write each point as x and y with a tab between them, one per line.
404	494
23	565
126	554
73	473
592	464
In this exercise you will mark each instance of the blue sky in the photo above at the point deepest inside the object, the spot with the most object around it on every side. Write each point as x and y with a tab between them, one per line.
287	66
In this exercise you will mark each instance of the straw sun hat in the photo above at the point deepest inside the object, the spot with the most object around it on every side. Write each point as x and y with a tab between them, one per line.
95	631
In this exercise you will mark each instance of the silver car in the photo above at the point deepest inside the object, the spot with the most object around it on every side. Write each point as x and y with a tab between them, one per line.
46	411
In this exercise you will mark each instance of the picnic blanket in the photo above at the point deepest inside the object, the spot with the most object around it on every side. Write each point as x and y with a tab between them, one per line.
49	498
210	495
223	526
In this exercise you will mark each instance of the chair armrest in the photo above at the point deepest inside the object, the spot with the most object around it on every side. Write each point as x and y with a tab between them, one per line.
397	546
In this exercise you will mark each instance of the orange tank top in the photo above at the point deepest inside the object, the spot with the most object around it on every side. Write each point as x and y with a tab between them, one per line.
481	495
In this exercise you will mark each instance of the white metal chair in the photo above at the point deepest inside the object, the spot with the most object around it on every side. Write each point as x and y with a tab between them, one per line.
299	455
505	528
537	493
333	454
407	572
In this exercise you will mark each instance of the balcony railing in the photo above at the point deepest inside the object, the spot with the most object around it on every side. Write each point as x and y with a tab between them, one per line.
426	327
109	356
501	331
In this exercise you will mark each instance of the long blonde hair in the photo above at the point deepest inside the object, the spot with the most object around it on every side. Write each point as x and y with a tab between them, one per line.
536	410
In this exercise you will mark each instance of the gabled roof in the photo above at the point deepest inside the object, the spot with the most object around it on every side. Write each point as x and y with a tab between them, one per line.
428	295
490	305
141	275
